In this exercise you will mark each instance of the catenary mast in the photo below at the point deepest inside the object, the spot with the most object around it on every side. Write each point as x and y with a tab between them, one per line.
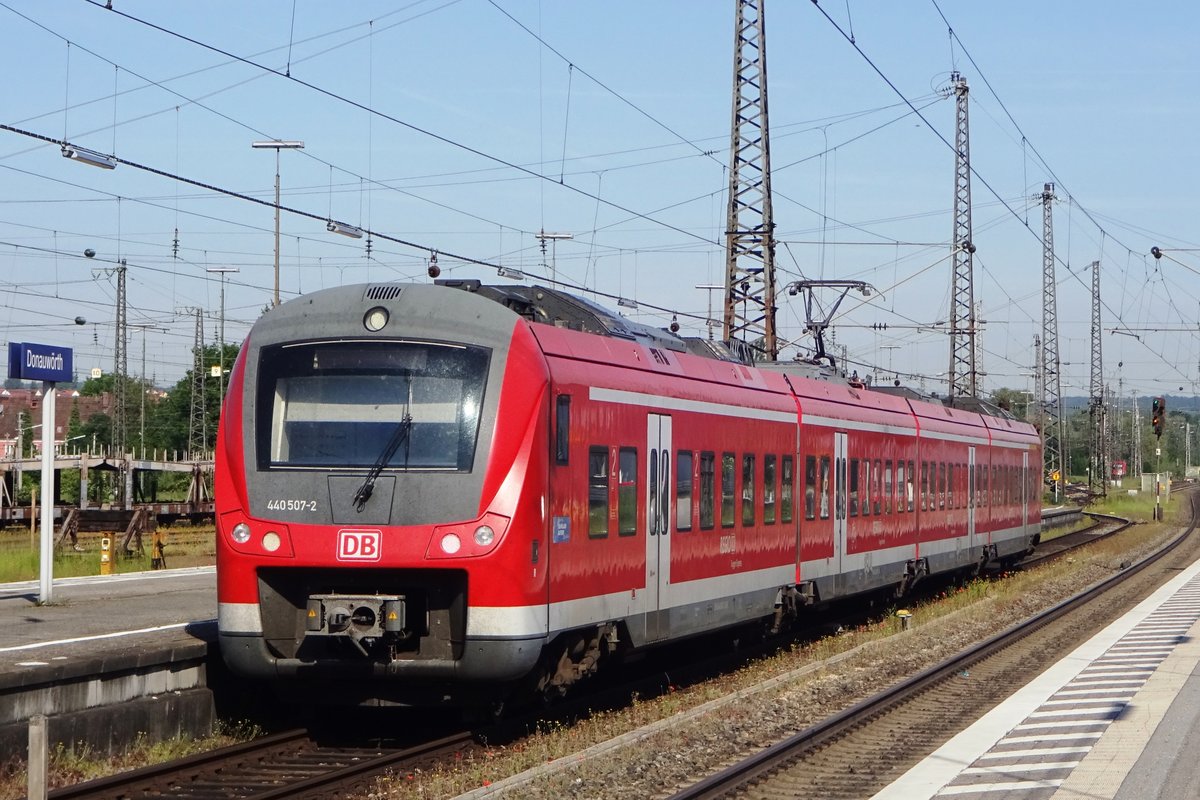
962	376
749	229
1098	474
1051	378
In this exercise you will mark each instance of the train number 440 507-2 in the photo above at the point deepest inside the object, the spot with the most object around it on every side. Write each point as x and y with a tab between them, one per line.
291	505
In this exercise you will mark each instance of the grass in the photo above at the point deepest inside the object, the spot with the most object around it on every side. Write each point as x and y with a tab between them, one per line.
184	546
72	765
1133	506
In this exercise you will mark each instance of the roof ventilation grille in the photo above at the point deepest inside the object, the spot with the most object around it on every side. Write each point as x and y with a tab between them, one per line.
384	292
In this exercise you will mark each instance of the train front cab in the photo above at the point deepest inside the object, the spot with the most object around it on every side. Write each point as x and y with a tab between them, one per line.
471	610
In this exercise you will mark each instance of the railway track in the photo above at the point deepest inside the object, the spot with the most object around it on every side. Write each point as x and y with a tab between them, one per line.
298	763
290	764
859	751
1102	526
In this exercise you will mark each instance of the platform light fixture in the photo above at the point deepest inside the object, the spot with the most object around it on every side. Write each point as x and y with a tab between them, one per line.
626	303
509	272
82	154
333	226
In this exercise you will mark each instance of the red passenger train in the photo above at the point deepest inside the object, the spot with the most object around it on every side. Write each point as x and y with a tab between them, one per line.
441	493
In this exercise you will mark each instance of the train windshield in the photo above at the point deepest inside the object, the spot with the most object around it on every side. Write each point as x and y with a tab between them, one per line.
335	404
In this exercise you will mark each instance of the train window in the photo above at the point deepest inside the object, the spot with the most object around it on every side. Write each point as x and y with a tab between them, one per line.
747	489
810	487
652	484
728	466
823	488
854	487
941	487
924	484
865	506
627	512
769	490
950	486
340	404
876	494
787	480
908	490
562	428
887	486
707	485
597	492
683	490
902	489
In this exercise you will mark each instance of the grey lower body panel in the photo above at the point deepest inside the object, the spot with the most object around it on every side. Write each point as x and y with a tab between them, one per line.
484	662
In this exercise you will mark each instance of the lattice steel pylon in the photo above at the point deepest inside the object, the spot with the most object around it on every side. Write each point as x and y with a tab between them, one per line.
1051	365
1135	447
1098	474
120	366
962	376
198	428
750	225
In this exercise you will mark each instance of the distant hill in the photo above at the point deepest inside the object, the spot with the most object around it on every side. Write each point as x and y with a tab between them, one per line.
1188	403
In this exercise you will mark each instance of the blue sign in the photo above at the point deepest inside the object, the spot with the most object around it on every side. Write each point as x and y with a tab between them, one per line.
562	529
39	362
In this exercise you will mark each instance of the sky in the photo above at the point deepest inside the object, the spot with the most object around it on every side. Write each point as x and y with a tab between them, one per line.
467	127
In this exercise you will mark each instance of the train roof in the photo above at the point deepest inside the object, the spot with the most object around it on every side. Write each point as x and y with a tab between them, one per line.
562	310
547	306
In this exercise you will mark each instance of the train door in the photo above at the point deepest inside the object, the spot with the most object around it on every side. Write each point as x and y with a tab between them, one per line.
658	525
839	500
971	497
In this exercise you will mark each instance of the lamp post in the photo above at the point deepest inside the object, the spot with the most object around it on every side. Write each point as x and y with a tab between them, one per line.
143	327
277	145
223	271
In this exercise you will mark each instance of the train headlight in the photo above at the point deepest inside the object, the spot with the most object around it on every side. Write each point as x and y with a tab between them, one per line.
375	319
240	533
484	536
451	544
271	541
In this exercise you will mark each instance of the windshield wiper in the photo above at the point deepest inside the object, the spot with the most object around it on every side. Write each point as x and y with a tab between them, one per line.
399	437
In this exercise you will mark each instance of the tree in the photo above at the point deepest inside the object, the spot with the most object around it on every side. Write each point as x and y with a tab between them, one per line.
1014	401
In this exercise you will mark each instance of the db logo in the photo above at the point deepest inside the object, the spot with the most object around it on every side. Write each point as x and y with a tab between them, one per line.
359	545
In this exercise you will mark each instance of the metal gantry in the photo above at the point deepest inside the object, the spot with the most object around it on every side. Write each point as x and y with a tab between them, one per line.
1050	364
962	376
1098	474
749	230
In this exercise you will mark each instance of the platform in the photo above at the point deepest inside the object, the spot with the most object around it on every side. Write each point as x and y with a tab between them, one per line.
142	640
1110	720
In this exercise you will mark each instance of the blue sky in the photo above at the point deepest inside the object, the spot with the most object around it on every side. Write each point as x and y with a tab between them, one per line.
608	121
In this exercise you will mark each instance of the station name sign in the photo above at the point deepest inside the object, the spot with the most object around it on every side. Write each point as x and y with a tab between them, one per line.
39	362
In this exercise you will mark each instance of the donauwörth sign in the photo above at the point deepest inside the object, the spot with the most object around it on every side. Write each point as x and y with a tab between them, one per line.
39	362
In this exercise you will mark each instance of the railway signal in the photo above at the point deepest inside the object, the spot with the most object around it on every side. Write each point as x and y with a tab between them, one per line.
1158	411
